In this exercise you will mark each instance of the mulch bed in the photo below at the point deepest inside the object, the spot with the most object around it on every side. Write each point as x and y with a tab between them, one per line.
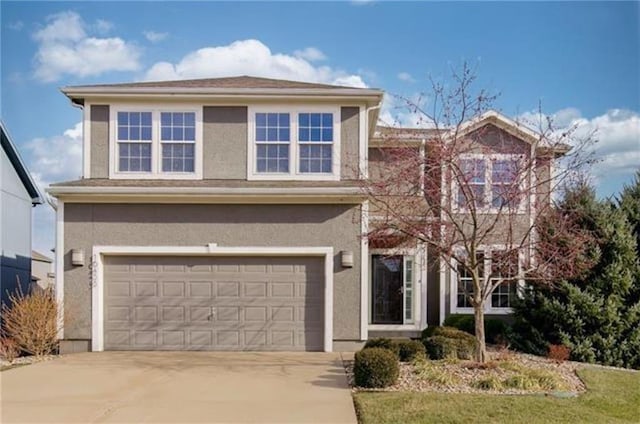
461	376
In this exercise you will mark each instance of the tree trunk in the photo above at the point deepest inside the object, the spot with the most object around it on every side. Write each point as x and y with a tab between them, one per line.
481	348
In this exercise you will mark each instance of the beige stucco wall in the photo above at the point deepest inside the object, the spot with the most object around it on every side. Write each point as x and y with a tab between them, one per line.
349	139
87	225
225	132
225	142
99	115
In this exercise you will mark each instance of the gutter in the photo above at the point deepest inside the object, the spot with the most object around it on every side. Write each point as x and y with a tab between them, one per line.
217	191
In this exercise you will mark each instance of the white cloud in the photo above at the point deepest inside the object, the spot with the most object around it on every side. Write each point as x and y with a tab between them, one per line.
617	132
248	57
311	54
16	26
406	77
402	112
154	36
64	47
103	26
52	159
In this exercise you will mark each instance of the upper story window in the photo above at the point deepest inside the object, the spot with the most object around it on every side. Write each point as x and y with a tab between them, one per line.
273	133
290	144
154	143
488	182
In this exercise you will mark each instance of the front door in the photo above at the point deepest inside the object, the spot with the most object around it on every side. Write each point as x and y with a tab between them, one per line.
388	289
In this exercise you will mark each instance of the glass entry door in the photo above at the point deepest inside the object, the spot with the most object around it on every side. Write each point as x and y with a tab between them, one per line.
387	289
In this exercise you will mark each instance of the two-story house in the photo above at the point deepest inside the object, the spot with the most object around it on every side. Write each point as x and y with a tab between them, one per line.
228	214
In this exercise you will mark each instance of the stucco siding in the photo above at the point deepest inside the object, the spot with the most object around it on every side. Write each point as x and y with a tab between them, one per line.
99	138
349	138
88	225
225	142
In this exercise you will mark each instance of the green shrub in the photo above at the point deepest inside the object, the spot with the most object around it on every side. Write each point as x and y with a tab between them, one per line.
495	330
375	367
521	382
383	343
489	383
410	350
449	342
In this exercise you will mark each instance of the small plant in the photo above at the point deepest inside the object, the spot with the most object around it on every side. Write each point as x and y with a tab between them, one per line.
9	349
410	350
436	375
383	343
375	367
545	380
31	321
489	383
521	382
510	366
558	353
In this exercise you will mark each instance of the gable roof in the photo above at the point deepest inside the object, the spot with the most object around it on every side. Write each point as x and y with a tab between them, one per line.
223	87
18	164
244	81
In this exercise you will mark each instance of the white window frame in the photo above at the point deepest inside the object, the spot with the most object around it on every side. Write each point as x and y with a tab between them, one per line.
419	278
488	309
294	148
488	207
156	143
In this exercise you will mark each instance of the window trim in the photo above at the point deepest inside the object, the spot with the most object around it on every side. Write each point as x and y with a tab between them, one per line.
294	160
156	144
488	309
488	183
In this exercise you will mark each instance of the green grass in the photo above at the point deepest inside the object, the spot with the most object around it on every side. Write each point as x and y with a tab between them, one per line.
613	396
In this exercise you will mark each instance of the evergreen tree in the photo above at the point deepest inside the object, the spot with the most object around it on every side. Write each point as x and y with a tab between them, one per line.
629	202
598	314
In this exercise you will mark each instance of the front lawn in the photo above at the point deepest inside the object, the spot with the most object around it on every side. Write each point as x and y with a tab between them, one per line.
613	396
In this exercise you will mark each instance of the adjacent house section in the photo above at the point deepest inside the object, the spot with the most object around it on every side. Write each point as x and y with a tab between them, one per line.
19	194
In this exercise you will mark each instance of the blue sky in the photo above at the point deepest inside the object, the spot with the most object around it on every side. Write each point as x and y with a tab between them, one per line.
581	60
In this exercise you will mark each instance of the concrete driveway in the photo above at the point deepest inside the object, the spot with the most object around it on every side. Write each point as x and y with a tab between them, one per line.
178	387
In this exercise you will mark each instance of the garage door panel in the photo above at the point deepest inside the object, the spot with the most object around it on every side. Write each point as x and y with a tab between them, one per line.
208	303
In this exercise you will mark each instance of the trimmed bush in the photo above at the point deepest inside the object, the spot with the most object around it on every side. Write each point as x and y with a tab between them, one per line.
383	343
495	330
449	342
410	350
375	367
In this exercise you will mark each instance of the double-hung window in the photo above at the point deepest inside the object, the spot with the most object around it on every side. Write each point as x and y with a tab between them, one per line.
496	267
178	141
487	182
273	133
294	143
156	143
315	138
134	139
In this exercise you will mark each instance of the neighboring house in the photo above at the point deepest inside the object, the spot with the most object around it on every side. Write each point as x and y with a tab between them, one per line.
18	196
228	214
41	270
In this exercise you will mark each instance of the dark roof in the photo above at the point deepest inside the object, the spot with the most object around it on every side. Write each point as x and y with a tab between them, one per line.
18	164
142	183
244	81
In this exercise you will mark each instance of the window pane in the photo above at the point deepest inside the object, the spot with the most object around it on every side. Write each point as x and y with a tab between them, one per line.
315	119
284	134
261	119
473	170
503	171
165	119
178	157
272	142
272	119
303	134
177	134
327	120
327	134
123	133
190	134
134	118
123	118
303	119
261	134
145	119
315	134
272	134
178	119
145	133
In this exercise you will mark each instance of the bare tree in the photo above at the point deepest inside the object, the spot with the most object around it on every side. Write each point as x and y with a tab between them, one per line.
476	191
